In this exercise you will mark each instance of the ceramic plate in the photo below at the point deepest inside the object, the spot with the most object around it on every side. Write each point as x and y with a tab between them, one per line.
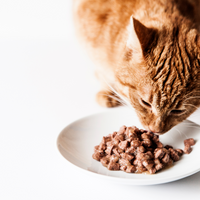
76	143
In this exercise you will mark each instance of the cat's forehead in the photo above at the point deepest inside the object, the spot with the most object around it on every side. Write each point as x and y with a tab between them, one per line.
171	69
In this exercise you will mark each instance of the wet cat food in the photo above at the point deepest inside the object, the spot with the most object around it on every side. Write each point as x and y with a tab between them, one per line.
135	150
188	143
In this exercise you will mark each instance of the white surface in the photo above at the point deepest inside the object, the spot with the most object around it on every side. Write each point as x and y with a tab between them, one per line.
195	117
76	143
46	82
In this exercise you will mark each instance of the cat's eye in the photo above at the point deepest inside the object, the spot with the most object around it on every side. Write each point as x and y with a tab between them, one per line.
177	112
145	103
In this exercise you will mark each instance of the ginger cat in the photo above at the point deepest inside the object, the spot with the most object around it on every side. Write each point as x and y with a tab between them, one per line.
148	52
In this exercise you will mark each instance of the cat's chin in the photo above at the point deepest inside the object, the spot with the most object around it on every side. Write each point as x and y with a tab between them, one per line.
156	133
159	133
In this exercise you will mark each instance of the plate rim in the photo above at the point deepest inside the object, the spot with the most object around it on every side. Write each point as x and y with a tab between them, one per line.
139	182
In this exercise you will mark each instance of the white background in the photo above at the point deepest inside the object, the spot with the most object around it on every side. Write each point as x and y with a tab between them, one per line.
46	82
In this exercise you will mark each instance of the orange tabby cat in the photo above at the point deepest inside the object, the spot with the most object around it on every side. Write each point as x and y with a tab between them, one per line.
148	51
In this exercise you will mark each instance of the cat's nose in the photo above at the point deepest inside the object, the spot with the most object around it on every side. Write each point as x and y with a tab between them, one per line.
157	126
155	130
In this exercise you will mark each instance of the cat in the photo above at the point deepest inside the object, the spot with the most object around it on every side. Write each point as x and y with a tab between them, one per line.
148	53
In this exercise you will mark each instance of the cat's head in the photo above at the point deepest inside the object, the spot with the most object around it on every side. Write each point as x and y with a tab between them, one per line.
160	74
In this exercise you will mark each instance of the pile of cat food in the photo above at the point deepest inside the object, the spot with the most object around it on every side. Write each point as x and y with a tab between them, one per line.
135	150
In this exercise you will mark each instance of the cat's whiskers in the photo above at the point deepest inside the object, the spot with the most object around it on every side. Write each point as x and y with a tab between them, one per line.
187	122
171	137
196	113
181	133
123	98
190	125
195	97
195	126
190	105
117	99
190	93
118	95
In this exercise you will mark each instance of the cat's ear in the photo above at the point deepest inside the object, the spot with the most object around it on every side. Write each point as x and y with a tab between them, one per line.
139	37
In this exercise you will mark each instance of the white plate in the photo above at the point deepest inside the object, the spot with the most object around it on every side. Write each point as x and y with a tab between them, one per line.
76	143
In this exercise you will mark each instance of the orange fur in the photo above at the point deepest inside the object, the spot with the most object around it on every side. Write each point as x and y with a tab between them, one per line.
149	52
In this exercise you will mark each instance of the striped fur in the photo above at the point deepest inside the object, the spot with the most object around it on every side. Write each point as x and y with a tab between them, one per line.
149	52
